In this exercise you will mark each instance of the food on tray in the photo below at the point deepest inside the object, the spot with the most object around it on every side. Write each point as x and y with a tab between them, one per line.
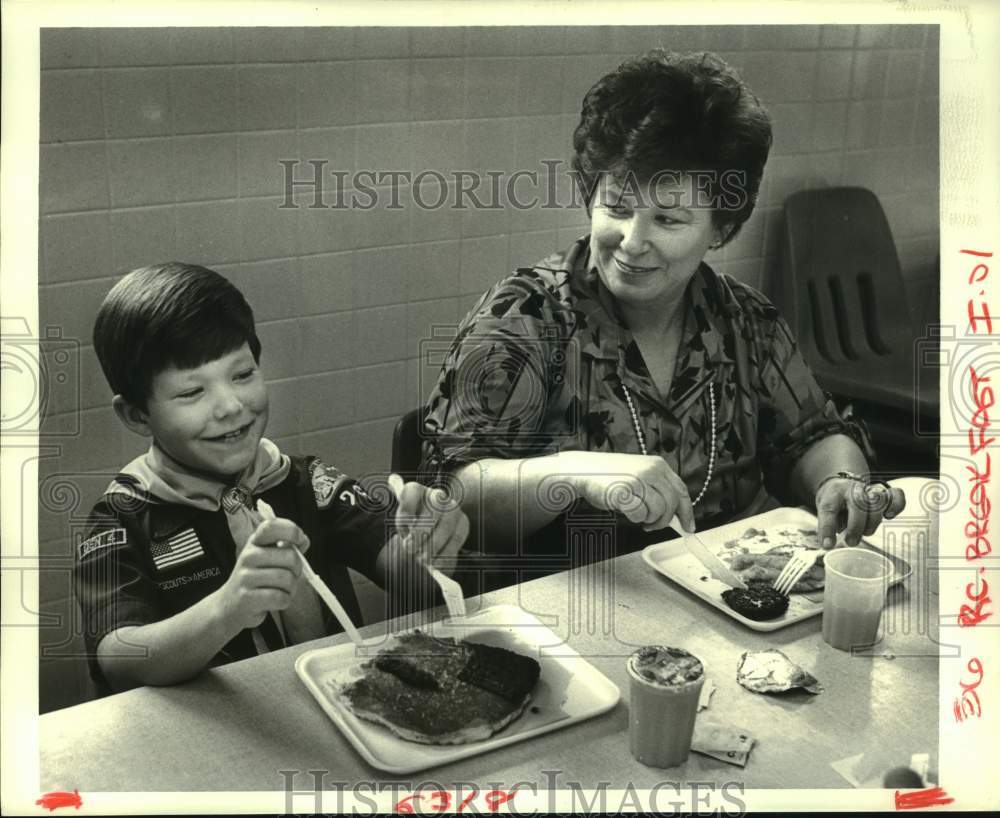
760	556
438	691
759	601
770	671
765	568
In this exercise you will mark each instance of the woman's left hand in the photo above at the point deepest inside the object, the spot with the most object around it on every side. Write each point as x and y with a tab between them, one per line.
854	507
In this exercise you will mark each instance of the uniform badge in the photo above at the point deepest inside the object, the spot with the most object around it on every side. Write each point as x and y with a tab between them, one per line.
235	498
180	548
353	493
327	481
114	536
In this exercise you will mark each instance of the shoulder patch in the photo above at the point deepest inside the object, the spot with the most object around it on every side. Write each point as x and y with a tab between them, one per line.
328	482
114	536
353	492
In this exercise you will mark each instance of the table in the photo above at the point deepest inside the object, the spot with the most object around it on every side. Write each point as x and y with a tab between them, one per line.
236	727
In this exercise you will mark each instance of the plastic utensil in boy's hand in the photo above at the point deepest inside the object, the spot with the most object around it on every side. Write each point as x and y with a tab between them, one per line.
267	514
454	599
277	532
265	511
397	485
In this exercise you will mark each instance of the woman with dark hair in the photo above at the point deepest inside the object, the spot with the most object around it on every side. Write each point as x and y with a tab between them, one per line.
625	375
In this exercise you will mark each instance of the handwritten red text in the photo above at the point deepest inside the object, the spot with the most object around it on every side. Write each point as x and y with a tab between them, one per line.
977	526
978	276
921	799
441	801
968	704
54	800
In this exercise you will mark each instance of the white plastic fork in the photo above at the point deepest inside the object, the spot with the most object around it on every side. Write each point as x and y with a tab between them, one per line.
795	569
454	599
321	588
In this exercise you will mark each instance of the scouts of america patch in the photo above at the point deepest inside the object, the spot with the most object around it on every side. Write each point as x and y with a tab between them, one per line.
114	536
329	482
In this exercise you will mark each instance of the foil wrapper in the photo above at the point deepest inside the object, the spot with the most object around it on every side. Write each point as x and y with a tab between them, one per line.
770	671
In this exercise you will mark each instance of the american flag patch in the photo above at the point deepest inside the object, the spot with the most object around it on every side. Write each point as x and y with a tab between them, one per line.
180	548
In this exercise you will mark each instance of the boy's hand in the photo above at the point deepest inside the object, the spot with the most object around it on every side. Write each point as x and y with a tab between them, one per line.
264	577
437	525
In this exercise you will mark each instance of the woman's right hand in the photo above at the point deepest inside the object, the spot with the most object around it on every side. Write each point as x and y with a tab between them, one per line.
641	487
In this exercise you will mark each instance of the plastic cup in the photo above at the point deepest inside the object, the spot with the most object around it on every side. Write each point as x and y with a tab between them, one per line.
856	583
662	712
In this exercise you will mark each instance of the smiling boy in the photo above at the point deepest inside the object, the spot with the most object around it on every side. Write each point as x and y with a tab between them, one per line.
178	572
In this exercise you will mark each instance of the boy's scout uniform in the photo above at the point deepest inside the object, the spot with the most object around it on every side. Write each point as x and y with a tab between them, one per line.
145	560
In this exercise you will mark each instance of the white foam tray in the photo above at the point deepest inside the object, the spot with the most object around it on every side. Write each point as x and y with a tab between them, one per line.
676	563
569	690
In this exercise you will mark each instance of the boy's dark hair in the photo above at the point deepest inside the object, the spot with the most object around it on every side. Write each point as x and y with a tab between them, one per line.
678	112
171	314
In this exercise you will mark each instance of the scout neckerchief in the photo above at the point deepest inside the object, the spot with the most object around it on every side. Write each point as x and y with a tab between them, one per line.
172	482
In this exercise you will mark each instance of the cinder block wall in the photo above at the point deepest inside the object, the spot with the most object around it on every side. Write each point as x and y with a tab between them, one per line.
165	144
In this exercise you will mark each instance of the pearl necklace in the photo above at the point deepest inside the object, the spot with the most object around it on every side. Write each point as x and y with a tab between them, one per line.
639	436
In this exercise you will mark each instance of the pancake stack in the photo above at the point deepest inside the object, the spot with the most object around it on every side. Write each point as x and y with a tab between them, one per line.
439	691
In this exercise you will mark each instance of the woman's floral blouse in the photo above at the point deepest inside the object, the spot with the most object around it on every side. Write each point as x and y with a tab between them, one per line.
538	366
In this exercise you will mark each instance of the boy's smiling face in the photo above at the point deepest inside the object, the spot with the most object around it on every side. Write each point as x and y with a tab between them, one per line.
210	418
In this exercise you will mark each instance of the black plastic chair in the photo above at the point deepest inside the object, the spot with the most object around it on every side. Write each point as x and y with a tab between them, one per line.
407	441
842	292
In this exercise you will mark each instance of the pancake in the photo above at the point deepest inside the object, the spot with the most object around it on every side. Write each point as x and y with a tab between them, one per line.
437	691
